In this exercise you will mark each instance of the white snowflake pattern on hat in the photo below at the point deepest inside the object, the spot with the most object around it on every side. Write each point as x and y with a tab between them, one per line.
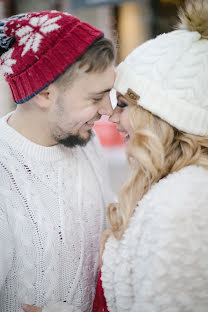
6	62
32	34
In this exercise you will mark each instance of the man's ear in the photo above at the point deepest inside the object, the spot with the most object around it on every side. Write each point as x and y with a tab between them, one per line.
45	98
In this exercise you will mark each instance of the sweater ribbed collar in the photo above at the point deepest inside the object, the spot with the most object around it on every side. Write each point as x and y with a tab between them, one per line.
21	144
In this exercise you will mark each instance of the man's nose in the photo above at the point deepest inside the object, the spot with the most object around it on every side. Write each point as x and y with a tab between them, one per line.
114	117
106	107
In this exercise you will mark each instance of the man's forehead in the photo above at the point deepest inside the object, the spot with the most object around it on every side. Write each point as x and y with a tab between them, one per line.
97	83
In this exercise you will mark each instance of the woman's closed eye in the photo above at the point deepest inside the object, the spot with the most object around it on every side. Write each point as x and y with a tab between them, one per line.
122	104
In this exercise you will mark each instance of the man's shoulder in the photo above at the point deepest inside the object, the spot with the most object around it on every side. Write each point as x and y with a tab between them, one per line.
4	146
7	160
5	149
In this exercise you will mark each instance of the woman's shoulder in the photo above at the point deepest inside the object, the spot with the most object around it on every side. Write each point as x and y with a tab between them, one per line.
173	210
190	178
179	194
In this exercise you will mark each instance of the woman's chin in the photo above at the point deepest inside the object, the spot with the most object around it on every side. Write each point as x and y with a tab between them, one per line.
127	148
126	139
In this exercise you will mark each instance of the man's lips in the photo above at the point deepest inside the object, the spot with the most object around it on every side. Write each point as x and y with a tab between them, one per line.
92	121
89	125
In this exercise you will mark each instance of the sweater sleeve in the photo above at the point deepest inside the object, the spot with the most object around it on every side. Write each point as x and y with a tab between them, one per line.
170	270
6	244
60	307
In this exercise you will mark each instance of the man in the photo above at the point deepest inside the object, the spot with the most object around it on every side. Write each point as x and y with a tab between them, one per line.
52	186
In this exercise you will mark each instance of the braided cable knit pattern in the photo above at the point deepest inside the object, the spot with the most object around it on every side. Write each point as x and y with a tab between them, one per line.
51	221
170	74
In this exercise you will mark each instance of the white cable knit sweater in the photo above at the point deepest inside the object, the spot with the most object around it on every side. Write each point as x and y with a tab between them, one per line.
52	216
161	263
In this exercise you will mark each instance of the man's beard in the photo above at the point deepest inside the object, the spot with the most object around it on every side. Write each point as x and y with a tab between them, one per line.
74	140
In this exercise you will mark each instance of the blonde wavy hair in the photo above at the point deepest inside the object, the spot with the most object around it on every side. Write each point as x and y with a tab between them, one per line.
156	150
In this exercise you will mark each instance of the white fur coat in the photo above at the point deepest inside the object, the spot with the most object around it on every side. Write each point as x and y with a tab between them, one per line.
161	263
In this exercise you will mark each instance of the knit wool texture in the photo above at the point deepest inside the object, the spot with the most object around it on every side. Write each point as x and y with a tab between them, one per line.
170	74
52	216
46	45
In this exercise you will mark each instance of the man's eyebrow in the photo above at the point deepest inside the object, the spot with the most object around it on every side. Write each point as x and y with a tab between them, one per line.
101	92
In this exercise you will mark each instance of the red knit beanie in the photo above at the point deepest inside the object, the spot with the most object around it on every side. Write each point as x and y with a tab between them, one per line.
36	48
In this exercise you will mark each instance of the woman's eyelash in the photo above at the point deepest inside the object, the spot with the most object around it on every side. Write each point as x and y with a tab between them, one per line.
122	104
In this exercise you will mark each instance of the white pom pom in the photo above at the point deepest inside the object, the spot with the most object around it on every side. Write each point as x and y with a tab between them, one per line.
194	17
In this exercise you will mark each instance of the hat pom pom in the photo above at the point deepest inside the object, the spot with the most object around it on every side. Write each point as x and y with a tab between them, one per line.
193	16
6	38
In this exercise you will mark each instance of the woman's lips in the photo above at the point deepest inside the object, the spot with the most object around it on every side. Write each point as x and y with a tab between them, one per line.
125	135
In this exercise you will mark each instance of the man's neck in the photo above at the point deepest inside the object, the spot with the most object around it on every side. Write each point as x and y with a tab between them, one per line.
31	125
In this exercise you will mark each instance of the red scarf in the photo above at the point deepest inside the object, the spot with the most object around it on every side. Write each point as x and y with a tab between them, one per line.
99	304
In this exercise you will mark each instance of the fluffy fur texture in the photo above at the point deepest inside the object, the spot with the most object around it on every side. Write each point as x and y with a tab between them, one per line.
194	17
160	264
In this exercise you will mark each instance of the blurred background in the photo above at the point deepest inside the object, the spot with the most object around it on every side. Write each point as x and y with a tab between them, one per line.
127	24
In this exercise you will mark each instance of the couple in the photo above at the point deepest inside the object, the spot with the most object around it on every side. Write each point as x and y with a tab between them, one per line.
53	184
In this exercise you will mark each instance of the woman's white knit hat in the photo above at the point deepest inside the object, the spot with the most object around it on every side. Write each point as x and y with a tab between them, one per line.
170	72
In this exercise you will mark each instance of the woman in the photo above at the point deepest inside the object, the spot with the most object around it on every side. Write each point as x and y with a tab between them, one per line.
156	249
